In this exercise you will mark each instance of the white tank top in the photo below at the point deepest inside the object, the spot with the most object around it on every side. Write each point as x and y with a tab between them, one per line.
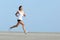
20	15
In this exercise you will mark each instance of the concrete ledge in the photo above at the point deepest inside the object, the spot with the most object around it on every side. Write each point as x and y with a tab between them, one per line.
29	36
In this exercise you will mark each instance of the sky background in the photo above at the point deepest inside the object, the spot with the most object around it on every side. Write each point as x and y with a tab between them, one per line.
42	15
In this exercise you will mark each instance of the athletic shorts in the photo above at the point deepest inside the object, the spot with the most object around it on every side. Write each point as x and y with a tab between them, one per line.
18	20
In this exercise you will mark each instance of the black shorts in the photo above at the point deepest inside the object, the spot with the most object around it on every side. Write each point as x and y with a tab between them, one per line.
18	20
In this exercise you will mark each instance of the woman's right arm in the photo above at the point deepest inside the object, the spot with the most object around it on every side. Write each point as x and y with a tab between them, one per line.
17	13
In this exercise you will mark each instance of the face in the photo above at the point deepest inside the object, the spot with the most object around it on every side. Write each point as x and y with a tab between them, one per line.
21	8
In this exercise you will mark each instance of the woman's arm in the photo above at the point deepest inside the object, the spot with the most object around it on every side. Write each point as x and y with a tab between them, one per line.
17	13
24	14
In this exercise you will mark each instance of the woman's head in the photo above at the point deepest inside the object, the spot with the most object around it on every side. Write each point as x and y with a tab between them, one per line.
20	7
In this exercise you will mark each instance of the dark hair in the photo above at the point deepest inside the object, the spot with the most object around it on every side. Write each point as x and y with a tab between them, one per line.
20	7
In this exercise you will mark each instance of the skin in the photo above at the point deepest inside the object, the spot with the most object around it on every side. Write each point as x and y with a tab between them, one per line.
19	22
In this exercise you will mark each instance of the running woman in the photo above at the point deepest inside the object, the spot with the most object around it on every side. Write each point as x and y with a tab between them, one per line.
19	14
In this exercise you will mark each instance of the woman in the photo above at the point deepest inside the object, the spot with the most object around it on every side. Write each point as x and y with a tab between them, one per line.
19	14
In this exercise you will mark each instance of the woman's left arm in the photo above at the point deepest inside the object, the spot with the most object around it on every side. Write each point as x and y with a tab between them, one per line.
24	14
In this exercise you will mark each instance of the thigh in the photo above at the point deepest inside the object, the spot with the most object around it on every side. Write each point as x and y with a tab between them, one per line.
18	23
21	22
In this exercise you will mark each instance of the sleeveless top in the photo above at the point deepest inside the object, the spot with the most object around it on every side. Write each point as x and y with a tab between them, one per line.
20	15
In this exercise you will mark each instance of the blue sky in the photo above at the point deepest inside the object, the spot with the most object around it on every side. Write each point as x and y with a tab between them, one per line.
42	15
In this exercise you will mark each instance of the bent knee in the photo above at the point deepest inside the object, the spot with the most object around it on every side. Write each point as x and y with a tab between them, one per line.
22	24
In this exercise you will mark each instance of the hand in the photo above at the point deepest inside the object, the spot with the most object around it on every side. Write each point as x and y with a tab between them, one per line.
24	15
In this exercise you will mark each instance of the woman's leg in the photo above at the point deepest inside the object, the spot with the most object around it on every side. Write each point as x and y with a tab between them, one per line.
15	25
22	23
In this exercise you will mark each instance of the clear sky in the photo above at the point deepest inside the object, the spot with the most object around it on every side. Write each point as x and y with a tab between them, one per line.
42	15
